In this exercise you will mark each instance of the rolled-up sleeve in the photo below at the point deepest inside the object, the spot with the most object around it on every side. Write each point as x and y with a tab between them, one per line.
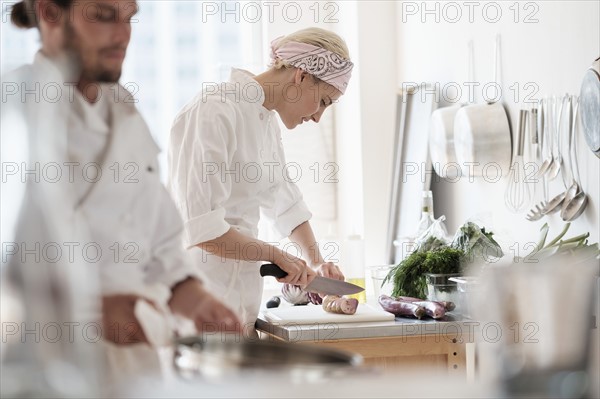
286	219
202	143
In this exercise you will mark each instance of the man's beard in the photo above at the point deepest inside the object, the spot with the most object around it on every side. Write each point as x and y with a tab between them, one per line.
91	73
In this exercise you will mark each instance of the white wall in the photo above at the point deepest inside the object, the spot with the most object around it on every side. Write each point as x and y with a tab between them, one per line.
364	118
348	118
365	122
552	53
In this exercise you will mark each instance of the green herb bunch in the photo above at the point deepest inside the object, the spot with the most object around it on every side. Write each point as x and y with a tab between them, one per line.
436	257
409	275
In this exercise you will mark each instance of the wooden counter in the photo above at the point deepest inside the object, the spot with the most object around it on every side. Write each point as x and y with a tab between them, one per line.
402	343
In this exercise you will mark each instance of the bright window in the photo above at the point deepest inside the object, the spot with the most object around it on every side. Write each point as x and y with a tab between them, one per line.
174	49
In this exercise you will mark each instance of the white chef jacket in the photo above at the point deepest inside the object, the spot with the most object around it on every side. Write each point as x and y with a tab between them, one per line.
227	168
126	212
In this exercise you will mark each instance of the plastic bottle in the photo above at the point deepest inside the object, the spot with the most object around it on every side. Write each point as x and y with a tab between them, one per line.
427	217
354	264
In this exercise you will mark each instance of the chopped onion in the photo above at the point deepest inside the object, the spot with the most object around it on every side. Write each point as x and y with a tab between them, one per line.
315	298
294	294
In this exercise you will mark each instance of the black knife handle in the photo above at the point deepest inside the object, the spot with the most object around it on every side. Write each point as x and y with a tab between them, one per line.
271	269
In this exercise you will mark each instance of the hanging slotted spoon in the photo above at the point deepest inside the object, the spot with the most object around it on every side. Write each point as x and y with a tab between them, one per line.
554	168
572	209
555	203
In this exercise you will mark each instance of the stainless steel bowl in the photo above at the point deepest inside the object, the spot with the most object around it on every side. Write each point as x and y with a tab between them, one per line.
215	358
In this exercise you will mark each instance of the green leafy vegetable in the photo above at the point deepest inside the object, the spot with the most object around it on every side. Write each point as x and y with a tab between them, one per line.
432	243
558	246
561	235
436	257
475	242
409	275
545	228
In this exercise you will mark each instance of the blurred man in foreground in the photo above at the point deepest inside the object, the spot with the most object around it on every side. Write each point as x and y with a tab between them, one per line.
95	199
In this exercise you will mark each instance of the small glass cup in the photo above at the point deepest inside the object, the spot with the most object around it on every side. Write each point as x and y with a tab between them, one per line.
440	288
378	275
468	287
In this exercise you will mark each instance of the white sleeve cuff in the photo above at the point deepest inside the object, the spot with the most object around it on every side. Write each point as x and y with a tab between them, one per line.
206	227
292	218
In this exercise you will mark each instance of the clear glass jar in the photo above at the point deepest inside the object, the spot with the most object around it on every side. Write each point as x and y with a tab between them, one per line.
440	288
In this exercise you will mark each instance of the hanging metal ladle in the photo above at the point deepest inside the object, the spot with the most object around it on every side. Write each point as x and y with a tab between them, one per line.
573	190
576	199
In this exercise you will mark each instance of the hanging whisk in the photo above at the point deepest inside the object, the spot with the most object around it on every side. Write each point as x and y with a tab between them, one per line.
518	192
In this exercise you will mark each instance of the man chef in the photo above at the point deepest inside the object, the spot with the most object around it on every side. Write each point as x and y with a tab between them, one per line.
110	197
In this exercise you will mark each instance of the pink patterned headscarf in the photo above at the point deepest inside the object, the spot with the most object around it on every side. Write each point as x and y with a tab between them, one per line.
319	62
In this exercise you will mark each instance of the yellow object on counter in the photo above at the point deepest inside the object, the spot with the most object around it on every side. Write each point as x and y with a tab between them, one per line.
361	296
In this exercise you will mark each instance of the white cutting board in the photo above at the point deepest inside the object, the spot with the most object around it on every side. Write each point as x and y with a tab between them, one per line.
311	314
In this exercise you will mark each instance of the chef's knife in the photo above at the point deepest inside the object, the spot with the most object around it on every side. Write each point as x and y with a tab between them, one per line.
321	285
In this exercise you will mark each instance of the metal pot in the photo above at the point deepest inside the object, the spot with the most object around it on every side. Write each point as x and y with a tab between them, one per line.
441	141
219	358
441	133
481	138
482	134
589	107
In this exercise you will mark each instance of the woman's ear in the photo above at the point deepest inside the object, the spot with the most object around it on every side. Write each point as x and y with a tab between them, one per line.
300	75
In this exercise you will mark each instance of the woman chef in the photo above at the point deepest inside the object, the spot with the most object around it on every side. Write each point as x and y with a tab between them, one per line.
227	167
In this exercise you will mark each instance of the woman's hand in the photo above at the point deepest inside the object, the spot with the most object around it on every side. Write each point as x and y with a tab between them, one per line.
299	273
330	270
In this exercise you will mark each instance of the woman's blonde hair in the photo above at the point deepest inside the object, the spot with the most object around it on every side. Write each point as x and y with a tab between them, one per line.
317	37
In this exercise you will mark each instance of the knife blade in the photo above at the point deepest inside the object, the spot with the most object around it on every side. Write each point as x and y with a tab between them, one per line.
321	285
